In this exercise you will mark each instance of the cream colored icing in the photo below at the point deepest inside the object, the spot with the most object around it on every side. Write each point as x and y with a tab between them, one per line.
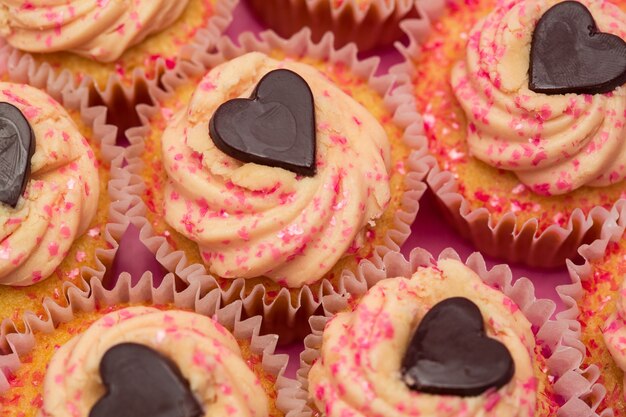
358	373
251	220
61	196
614	332
553	143
205	352
96	29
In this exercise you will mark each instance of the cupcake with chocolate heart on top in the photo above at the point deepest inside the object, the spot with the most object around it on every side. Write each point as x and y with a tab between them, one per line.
54	202
441	338
277	172
102	357
524	107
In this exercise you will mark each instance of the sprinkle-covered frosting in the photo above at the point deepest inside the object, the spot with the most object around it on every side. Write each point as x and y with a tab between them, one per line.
60	199
101	30
358	373
554	144
207	355
251	220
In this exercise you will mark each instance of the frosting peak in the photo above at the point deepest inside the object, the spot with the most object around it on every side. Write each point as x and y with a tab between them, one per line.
251	220
553	143
100	30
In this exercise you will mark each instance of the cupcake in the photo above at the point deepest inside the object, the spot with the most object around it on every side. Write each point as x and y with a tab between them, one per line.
599	288
127	359
102	40
527	135
368	23
278	170
54	204
442	338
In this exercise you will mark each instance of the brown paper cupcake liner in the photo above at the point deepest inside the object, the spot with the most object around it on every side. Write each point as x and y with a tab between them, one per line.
75	98
377	24
282	311
505	238
119	96
17	344
577	387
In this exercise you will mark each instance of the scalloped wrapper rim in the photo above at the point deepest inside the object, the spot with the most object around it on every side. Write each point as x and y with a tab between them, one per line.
567	351
194	297
417	166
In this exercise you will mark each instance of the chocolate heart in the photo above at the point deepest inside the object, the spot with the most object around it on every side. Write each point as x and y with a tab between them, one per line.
569	55
17	146
274	127
142	382
451	355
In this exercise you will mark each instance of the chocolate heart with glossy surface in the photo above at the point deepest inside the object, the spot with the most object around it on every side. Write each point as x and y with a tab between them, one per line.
569	55
450	354
17	146
142	382
275	127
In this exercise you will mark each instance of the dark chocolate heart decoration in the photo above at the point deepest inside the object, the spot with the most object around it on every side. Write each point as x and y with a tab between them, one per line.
275	127
450	354
142	382
17	146
569	55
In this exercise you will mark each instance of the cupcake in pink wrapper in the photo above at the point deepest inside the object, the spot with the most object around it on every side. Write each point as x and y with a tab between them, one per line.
438	337
108	354
599	289
527	171
57	160
368	23
108	41
278	234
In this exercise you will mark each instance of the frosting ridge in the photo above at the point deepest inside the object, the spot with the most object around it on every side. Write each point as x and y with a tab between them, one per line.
251	220
553	143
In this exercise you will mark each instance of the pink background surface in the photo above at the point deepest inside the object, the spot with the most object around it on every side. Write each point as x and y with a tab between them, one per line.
430	230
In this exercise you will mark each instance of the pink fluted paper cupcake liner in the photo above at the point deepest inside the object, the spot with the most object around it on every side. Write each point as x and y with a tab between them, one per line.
369	24
576	386
18	339
285	312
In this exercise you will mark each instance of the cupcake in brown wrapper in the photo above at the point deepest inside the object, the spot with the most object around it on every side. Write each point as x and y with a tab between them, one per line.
57	365
277	239
380	337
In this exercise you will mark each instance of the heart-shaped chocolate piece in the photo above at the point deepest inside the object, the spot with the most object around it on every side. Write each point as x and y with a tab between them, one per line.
275	127
142	382
569	55
17	146
450	354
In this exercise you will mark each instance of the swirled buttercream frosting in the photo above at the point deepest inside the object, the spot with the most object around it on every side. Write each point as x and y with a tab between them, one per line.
96	29
206	354
253	220
553	143
61	196
359	369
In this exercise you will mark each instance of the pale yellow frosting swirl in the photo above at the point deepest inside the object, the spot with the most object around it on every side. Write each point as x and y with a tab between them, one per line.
553	143
251	220
358	373
61	196
97	29
207	355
